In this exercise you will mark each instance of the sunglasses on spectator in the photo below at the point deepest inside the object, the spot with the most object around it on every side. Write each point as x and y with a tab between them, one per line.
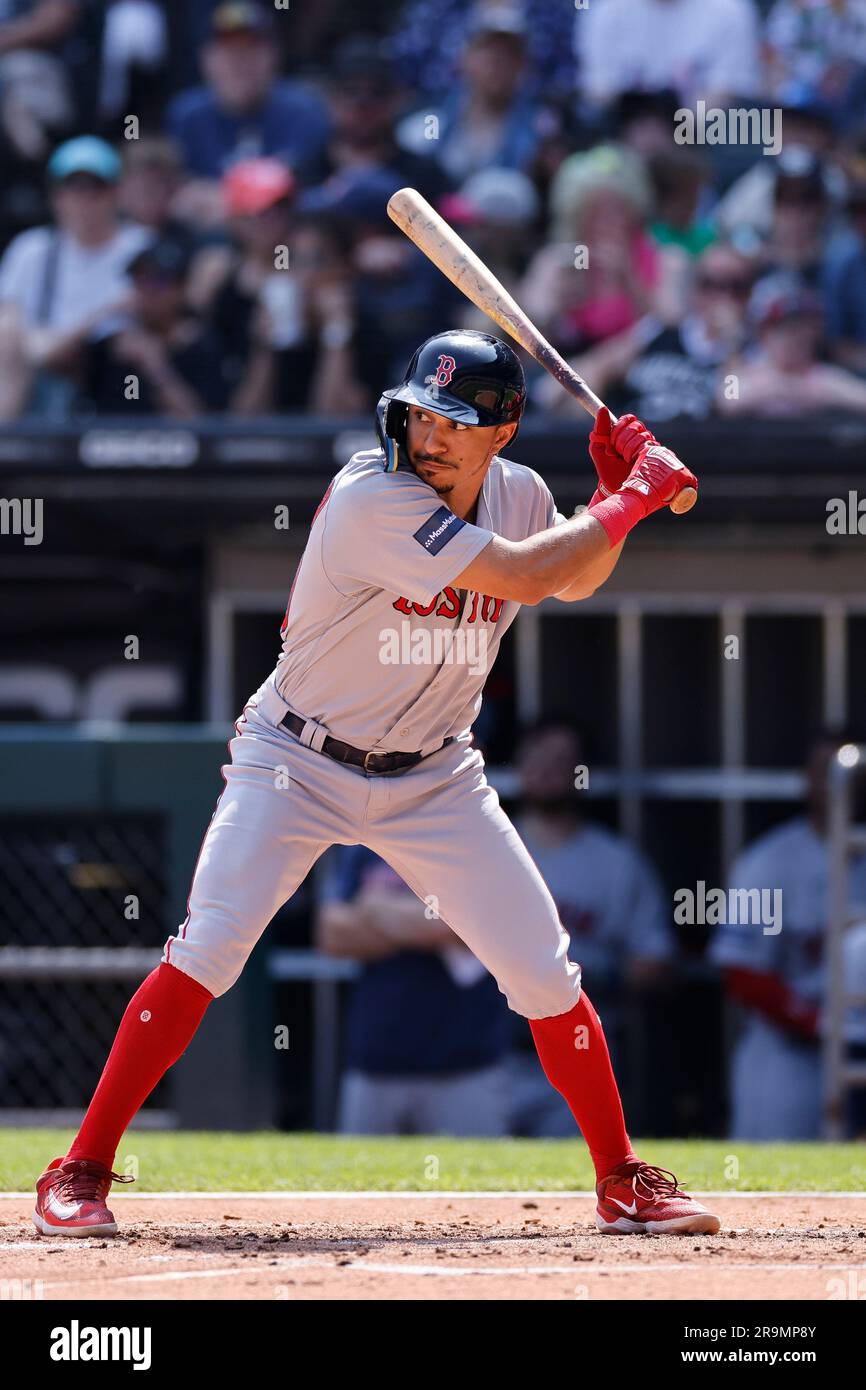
85	183
720	284
799	197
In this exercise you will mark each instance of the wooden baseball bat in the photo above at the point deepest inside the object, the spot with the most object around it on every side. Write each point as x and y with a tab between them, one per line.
440	243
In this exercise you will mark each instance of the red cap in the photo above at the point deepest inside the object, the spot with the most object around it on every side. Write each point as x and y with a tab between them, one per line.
255	185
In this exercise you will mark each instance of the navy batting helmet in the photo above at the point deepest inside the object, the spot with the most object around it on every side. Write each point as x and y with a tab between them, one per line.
471	377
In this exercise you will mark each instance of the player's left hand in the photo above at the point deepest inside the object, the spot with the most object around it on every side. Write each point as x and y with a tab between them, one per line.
614	448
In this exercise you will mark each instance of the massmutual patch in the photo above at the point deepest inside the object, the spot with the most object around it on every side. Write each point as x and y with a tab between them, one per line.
438	530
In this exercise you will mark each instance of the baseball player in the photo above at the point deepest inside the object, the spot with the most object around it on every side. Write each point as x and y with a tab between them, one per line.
777	972
418	558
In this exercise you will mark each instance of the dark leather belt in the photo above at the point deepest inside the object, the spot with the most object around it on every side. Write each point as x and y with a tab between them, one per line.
370	762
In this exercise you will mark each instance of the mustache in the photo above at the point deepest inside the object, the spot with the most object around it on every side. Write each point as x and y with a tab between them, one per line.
425	458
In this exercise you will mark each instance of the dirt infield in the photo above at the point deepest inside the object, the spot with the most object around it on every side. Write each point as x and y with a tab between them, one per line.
448	1247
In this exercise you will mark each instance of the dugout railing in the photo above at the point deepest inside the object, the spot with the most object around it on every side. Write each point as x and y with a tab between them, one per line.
843	997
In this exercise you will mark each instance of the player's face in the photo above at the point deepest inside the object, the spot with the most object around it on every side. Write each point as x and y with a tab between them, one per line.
450	456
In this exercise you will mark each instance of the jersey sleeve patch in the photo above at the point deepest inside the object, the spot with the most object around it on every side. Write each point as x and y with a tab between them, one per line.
438	530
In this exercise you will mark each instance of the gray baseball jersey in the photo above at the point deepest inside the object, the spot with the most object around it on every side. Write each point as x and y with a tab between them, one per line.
365	658
377	643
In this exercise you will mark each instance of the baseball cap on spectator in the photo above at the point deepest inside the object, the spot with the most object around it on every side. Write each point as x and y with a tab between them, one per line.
505	196
239	17
581	177
779	298
254	185
166	258
362	59
497	19
353	195
800	174
86	154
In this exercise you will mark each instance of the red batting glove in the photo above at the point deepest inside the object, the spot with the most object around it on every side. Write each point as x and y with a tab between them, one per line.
629	436
610	466
656	479
614	448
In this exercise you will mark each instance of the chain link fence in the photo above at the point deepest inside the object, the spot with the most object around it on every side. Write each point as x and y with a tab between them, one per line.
81	898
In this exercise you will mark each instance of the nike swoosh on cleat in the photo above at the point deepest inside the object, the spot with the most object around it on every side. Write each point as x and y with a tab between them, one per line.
629	1211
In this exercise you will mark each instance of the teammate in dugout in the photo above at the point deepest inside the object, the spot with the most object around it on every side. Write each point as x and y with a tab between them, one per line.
433	528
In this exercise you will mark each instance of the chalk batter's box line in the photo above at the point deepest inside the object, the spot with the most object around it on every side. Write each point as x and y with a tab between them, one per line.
306	1196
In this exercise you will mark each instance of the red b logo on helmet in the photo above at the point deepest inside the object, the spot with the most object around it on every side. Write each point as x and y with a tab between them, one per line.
444	371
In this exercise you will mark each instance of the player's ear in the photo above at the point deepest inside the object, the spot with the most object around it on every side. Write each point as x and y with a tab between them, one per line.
505	436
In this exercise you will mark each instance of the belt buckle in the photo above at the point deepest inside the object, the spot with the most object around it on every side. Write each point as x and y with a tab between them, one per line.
367	757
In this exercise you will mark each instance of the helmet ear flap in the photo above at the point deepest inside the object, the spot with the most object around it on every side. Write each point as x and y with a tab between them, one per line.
396	416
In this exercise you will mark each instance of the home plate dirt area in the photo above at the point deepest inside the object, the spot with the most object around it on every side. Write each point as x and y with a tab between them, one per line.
408	1246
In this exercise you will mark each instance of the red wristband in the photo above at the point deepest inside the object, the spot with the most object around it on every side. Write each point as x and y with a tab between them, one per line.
618	514
597	496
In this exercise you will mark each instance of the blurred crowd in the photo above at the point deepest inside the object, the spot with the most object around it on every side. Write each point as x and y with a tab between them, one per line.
194	218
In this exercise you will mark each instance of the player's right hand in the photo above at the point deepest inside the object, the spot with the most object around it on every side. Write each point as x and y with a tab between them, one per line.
657	477
610	463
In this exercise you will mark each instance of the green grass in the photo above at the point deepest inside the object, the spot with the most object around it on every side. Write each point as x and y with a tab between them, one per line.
202	1161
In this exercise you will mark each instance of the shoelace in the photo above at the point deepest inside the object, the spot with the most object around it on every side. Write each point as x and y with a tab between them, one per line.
87	1181
656	1181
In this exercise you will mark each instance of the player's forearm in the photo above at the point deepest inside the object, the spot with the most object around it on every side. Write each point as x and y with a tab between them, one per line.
564	557
769	995
592	577
403	919
530	570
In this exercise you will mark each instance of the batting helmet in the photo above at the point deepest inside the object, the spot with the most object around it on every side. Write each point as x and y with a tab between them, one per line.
471	377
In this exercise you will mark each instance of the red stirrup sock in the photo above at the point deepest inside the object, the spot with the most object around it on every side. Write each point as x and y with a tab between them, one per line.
158	1026
574	1055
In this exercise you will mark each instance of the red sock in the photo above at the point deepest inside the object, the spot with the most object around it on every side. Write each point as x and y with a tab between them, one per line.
576	1062
158	1026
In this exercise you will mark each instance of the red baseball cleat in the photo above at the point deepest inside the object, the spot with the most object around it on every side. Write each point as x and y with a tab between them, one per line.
638	1197
70	1198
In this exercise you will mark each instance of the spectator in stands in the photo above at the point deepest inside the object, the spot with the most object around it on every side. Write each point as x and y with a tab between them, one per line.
609	901
744	213
35	96
152	178
399	295
495	212
490	116
777	976
644	121
784	376
813	50
662	371
365	101
133	61
844	283
57	282
700	50
279	299
428	40
427	1027
244	109
156	358
680	179
601	271
800	221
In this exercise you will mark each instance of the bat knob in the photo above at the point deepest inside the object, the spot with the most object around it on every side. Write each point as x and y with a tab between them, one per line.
684	501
